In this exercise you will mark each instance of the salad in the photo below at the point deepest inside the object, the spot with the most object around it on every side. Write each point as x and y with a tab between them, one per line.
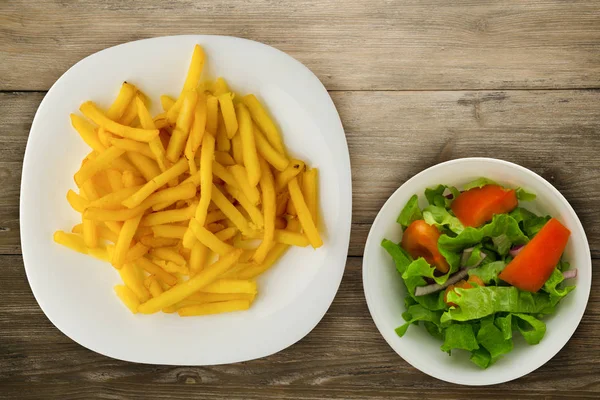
478	268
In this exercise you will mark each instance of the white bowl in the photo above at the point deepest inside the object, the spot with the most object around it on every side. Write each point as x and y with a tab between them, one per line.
385	292
76	291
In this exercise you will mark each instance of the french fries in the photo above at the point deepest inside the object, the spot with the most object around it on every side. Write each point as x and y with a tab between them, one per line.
207	179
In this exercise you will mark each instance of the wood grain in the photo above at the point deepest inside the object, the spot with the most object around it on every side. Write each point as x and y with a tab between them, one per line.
344	357
350	45
554	133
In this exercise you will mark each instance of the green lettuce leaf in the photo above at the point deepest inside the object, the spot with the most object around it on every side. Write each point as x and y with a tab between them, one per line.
400	256
480	302
529	222
435	196
524	195
521	214
459	336
418	313
493	339
434	330
503	230
479	182
532	329
489	272
411	212
505	325
441	218
481	357
551	287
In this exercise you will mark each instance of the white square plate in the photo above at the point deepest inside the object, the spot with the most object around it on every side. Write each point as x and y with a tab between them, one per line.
76	291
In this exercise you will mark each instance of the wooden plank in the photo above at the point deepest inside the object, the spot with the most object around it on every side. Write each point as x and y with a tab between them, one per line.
356	45
554	133
344	357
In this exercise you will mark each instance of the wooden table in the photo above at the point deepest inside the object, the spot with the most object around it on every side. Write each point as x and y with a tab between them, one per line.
416	83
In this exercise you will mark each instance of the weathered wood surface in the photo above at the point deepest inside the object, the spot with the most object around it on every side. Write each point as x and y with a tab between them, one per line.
415	83
350	45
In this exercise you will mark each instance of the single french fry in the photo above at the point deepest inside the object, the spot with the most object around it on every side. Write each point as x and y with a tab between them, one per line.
198	128
255	215
133	278
169	231
223	142
236	149
128	297
310	188
268	152
224	158
267	186
147	166
290	238
201	297
231	286
214	216
255	270
172	268
155	145
206	185
87	132
230	211
154	242
182	290
241	177
92	167
214	308
264	122
208	239
284	177
70	240
114	227
224	174
131	180
151	283
90	233
304	216
229	114
112	201
137	198
282	201
220	87
101	183
118	107
182	128
198	258
212	111
184	191
226	234
137	251
153	269
250	155
115	179
215	227
168	255
240	243
104	137
100	214
166	102
129	115
88	190
124	240
77	202
195	69
169	216
90	110
132	145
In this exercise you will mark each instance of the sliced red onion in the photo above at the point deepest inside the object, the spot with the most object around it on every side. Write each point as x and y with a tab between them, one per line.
516	250
465	255
572	273
425	290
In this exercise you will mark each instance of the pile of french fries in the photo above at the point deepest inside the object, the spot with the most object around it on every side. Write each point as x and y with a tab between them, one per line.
192	205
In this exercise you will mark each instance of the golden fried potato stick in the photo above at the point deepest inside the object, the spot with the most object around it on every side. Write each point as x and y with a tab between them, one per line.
201	297
208	239
197	130
115	179
264	122
132	145
118	107
310	189
137	251
151	283
124	240
220	86
182	128
224	174
182	290
250	155
230	211
267	186
231	286
155	145
191	81
215	216
229	114
128	297
129	115
255	214
226	234
168	254
284	177
206	172
137	198
241	177
212	111
224	158
169	231
153	269
77	202
304	216
223	142
92	167
170	216
290	238
133	278
112	201
90	110
166	102
268	152
198	258
104	137
214	308
256	269
154	242
87	132
236	149
101	214
131	180
147	166
90	233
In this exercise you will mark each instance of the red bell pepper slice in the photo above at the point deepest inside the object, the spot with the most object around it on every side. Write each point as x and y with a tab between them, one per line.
421	240
534	264
477	206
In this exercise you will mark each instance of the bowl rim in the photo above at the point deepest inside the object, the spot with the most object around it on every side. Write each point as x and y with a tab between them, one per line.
389	335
